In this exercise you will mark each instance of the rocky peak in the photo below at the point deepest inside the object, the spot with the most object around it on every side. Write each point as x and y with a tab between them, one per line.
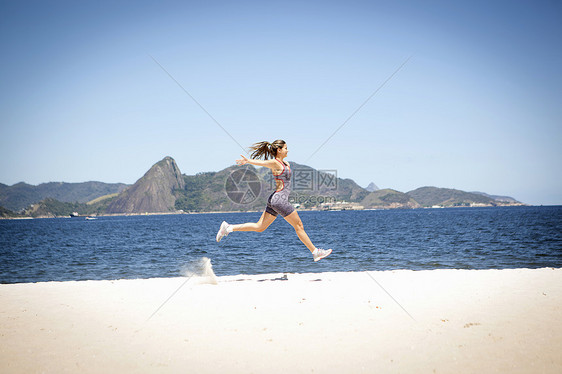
167	173
372	187
154	192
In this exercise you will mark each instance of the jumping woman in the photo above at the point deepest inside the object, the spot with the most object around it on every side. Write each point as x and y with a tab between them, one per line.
278	201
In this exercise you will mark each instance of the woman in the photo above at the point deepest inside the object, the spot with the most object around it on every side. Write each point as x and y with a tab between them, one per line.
278	201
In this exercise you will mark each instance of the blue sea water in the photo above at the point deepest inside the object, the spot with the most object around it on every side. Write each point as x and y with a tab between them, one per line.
160	246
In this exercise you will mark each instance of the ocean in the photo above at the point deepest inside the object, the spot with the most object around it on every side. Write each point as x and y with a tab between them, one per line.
131	247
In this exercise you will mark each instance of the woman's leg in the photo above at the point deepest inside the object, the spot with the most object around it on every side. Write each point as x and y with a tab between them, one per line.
296	222
265	220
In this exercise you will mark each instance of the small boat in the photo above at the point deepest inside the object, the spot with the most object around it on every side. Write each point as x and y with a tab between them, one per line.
91	218
74	214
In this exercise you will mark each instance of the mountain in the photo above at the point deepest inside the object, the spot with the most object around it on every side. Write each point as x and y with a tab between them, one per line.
372	187
388	199
153	193
6	213
446	197
503	199
164	189
21	195
50	207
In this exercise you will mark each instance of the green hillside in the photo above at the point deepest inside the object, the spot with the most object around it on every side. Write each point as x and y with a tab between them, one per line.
431	196
6	213
21	195
50	207
388	198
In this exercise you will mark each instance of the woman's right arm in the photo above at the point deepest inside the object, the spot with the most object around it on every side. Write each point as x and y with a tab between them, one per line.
271	164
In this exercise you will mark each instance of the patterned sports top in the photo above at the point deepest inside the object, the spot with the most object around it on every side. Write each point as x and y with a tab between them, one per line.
284	176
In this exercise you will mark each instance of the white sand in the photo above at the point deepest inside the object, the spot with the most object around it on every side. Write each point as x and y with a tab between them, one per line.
488	321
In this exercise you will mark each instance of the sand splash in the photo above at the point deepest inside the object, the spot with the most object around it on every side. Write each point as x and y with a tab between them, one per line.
201	270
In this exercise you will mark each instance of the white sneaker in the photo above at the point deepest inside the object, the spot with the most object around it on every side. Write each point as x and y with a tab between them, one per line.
319	254
223	231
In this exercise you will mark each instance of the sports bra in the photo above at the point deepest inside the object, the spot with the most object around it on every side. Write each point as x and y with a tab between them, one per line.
284	176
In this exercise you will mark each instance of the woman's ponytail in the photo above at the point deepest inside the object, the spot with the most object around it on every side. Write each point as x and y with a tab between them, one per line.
266	149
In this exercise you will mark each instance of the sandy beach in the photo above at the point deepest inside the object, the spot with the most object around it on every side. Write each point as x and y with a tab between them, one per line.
438	321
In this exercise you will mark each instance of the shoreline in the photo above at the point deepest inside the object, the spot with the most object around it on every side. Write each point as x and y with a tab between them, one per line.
199	278
463	321
260	211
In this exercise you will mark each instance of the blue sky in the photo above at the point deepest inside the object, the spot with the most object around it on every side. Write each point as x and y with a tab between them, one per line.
477	107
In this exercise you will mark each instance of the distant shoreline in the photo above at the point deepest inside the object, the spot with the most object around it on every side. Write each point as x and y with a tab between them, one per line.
259	211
